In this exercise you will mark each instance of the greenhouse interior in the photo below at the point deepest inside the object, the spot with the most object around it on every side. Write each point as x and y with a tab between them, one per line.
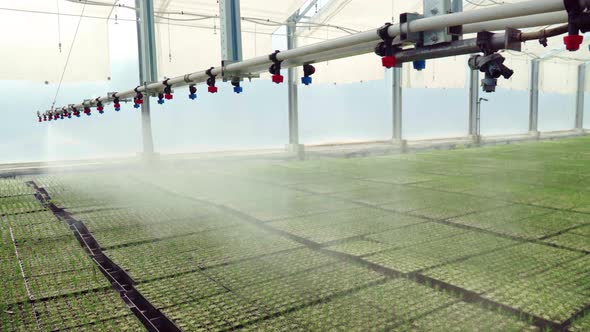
295	165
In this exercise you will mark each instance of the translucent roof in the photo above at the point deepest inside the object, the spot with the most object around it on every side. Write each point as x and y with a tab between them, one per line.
37	33
188	39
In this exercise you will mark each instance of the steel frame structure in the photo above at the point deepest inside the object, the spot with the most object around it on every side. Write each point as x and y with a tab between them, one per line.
342	47
518	15
148	65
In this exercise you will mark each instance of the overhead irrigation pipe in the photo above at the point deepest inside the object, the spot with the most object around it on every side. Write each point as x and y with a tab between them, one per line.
462	47
245	68
517	23
512	38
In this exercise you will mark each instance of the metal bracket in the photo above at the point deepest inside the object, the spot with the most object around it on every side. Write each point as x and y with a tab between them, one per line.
436	8
389	46
410	37
512	41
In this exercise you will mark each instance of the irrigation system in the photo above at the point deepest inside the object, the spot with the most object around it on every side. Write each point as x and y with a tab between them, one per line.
437	33
483	239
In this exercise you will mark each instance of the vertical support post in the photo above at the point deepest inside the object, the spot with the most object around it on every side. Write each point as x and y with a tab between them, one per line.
293	93
147	65
580	97
473	104
397	106
534	98
231	30
457	6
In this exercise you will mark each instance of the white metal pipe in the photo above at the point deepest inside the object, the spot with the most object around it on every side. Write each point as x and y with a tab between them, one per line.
518	23
479	15
356	43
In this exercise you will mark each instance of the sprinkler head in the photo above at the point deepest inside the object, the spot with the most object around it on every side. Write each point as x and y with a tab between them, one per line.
168	96
160	98
308	70
573	42
193	92
278	79
307	80
419	65
388	61
238	89
212	89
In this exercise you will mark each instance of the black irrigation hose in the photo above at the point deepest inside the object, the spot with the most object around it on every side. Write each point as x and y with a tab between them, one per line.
152	318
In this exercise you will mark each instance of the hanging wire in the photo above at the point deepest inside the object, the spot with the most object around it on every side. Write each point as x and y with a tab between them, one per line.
169	42
68	58
116	12
214	26
112	9
483	4
165	15
58	26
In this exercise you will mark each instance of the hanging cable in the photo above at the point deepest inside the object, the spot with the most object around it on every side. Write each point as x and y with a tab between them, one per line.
200	17
214	26
255	39
112	9
58	26
392	11
483	4
68	57
169	42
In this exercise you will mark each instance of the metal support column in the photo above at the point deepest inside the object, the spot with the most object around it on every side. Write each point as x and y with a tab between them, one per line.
293	93
147	65
231	31
473	101
580	97
397	106
457	6
292	89
534	98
